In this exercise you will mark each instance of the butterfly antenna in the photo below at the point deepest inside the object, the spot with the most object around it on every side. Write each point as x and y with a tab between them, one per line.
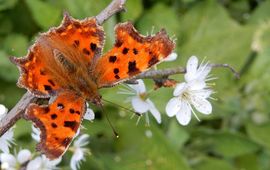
122	107
110	123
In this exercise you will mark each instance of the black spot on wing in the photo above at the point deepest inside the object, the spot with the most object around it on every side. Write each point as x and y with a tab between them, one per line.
135	51
54	125
93	46
73	125
132	68
85	51
53	116
71	111
115	70
112	59
47	87
125	50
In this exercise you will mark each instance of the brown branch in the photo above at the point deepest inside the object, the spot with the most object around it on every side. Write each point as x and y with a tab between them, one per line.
114	7
18	110
16	113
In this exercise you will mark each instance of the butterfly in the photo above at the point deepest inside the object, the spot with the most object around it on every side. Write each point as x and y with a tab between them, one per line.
66	65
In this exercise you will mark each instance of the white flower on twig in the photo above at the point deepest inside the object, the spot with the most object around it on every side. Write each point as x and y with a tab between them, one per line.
10	162
7	139
193	92
140	101
43	163
79	151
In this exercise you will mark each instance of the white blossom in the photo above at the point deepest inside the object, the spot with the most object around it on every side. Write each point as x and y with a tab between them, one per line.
43	163
171	57
79	151
194	92
35	133
11	162
6	139
89	114
140	100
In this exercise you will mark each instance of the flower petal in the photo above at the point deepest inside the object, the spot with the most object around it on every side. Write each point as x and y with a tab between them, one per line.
82	140
191	67
171	57
196	85
3	110
34	164
8	158
154	111
35	133
202	105
203	71
139	88
89	114
184	114
24	156
139	105
179	89
173	106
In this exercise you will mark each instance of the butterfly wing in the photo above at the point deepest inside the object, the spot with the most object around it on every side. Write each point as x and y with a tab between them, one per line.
58	122
44	71
131	54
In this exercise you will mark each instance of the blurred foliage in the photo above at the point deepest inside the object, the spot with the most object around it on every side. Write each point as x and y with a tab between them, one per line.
236	32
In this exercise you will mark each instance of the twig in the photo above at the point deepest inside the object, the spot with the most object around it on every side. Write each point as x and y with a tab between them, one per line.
178	70
114	7
235	73
16	113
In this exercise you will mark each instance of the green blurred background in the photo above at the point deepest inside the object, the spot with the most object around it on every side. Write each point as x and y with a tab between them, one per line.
237	32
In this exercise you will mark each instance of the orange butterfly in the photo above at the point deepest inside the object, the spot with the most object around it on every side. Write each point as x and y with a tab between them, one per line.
65	64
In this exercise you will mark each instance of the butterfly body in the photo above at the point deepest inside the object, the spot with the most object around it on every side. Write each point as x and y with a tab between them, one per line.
66	65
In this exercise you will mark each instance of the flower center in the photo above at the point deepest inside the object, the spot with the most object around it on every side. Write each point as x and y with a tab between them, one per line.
143	96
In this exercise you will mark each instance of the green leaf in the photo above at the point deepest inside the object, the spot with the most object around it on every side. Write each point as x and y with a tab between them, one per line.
208	163
7	4
46	15
232	145
177	135
134	10
16	45
7	67
158	17
248	162
81	8
260	134
261	14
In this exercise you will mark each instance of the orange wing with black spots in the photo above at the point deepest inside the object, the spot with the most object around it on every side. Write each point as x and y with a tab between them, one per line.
131	55
68	49
35	76
86	36
58	122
